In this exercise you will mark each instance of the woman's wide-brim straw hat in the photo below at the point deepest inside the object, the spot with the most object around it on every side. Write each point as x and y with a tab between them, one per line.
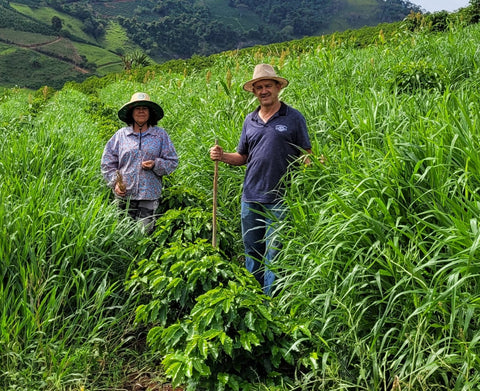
140	99
264	72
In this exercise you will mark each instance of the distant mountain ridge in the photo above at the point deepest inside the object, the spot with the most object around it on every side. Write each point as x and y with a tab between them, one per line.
98	37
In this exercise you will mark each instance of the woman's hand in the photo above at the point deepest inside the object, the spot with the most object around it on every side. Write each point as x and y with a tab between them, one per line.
120	190
148	164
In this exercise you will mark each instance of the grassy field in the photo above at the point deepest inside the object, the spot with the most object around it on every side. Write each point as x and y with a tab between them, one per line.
54	63
99	56
45	68
45	15
6	49
116	39
24	37
377	277
231	16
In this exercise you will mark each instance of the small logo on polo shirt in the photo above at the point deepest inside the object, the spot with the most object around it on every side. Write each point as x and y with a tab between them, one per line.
281	128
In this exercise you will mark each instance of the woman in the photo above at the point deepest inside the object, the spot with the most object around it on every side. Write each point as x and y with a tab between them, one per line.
137	156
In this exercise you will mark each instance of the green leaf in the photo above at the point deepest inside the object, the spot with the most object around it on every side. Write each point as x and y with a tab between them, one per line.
211	334
191	345
228	345
202	368
202	347
227	303
245	341
249	320
223	378
175	367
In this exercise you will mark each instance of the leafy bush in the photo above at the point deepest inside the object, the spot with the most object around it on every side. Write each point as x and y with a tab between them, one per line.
188	225
179	196
105	117
174	277
232	341
438	21
209	318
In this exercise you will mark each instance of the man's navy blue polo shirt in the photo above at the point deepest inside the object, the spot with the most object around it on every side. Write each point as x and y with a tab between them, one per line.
271	147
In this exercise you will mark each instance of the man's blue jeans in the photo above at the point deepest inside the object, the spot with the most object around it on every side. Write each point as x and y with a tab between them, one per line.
259	239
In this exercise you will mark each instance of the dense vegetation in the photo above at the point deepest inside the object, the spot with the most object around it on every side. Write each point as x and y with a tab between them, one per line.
378	272
181	28
105	35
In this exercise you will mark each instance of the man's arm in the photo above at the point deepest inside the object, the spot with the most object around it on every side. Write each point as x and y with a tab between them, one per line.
233	158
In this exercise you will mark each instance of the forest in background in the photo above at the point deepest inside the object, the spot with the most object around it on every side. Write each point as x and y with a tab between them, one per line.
50	42
181	28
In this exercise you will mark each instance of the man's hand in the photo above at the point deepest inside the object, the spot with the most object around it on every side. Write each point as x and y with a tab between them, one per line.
216	153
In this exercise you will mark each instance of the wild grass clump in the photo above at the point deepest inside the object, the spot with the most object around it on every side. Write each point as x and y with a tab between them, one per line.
383	236
65	250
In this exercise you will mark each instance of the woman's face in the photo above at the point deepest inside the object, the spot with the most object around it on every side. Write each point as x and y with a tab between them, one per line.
140	114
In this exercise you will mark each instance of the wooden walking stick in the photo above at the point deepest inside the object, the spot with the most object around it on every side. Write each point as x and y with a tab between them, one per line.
214	211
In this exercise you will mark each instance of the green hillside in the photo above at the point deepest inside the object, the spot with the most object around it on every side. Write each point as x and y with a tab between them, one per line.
103	36
44	15
34	54
378	272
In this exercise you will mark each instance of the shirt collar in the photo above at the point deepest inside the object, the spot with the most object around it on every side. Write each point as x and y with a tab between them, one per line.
282	111
130	131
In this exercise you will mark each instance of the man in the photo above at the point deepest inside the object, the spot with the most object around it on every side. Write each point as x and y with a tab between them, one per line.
273	136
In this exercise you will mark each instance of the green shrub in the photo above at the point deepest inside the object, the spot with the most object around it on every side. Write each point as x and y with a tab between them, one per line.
188	225
178	196
105	117
209	319
174	277
232	341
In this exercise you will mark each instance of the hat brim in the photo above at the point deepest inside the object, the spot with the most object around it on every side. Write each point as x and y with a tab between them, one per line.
248	86
122	113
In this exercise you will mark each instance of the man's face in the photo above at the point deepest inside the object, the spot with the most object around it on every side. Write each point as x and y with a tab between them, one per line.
267	92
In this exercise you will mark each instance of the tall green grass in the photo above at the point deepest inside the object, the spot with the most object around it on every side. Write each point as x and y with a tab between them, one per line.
64	249
382	244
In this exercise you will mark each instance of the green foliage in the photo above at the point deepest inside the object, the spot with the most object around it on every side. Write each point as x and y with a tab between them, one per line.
170	30
9	17
433	22
471	14
134	60
209	318
56	23
377	274
187	225
174	277
231	341
61	262
34	70
419	75
179	196
182	225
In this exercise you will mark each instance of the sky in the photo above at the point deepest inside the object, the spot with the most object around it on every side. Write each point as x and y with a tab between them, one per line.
440	5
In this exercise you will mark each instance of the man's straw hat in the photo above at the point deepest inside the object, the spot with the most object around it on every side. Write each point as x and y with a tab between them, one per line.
264	72
140	99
